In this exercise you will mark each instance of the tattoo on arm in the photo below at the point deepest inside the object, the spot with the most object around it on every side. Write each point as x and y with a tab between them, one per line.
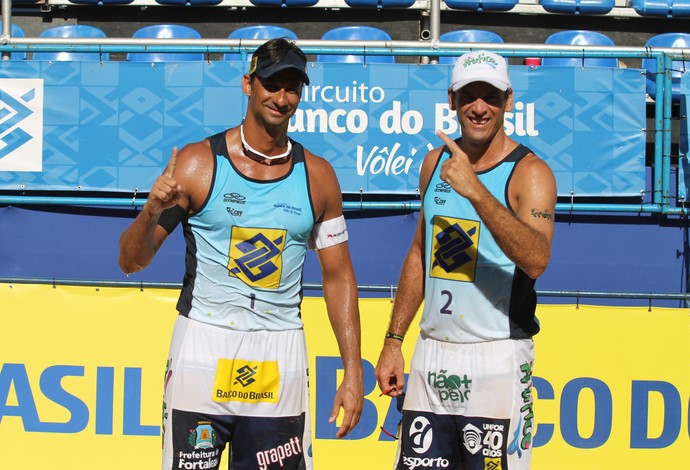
541	214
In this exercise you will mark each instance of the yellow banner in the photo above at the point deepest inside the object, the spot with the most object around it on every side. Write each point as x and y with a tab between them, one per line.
82	369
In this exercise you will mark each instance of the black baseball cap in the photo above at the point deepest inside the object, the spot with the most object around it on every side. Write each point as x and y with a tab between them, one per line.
263	66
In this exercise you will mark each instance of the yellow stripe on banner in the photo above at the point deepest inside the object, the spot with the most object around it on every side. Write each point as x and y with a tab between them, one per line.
82	380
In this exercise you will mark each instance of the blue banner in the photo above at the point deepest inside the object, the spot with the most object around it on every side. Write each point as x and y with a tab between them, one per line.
87	126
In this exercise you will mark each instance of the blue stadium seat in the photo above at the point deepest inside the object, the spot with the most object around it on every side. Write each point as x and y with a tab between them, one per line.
576	7
356	33
165	31
580	38
380	4
677	66
189	3
284	3
101	2
664	8
466	35
479	5
259	32
17	32
72	31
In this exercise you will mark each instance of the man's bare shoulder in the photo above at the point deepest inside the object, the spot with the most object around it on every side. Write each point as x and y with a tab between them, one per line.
534	176
428	165
324	187
193	160
533	164
194	171
433	155
318	165
195	152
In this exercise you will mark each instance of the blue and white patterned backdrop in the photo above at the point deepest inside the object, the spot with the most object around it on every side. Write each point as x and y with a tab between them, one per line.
110	127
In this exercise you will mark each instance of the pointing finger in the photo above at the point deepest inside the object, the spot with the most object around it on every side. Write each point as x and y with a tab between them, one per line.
170	168
452	146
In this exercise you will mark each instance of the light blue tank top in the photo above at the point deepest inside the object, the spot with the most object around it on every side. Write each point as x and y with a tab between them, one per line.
246	247
473	291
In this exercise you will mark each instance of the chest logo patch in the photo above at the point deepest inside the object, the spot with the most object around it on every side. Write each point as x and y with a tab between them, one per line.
256	256
454	249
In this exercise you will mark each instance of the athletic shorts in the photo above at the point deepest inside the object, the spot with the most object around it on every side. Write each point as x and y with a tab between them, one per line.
245	389
468	406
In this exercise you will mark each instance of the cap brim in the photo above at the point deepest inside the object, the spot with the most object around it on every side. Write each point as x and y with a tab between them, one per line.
501	85
282	67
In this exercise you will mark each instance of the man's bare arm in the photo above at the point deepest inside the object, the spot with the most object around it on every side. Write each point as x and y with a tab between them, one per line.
142	239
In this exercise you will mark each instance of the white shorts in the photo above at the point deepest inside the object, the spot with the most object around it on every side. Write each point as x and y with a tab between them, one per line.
246	389
468	406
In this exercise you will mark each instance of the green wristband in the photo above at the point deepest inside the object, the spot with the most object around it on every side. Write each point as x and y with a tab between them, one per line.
394	336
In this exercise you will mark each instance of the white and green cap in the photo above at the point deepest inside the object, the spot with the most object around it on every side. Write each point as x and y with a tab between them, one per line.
480	66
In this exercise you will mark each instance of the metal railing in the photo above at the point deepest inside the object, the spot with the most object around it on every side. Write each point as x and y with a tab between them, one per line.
391	290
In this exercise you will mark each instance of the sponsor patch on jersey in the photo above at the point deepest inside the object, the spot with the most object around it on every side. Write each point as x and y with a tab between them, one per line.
256	256
245	381
454	249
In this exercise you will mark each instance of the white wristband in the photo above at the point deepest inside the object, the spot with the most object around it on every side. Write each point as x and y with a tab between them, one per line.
328	233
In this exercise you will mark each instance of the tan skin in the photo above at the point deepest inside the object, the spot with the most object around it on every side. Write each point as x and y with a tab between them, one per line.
524	235
186	181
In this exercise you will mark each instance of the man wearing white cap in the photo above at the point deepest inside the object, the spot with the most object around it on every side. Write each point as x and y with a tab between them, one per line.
483	238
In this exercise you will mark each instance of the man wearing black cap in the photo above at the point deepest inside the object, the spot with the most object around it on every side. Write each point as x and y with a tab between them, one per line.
250	200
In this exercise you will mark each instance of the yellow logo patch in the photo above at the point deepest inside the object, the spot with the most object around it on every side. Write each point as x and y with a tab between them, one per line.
244	381
454	249
492	464
256	256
